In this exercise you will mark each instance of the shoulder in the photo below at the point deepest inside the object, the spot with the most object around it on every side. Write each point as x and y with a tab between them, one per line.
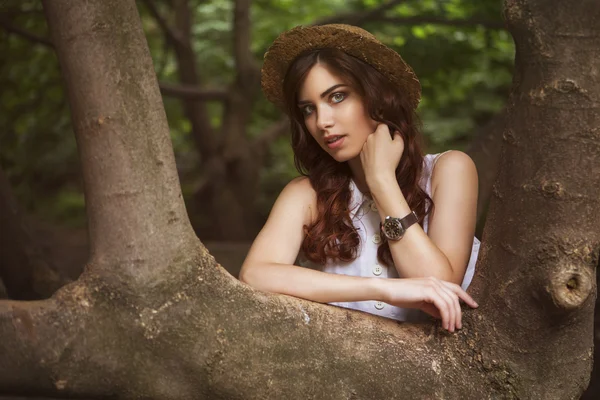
452	168
300	186
300	193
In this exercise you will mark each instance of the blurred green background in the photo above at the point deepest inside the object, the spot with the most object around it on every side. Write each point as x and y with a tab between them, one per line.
458	48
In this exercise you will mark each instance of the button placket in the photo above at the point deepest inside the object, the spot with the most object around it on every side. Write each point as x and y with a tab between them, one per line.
376	238
377	270
373	206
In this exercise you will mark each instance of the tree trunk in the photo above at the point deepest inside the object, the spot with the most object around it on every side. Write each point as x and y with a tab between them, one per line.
593	390
485	152
230	166
153	316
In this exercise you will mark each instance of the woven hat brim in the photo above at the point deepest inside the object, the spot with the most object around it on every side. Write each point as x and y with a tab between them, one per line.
350	39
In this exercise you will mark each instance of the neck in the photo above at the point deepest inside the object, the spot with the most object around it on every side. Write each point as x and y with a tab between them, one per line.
358	175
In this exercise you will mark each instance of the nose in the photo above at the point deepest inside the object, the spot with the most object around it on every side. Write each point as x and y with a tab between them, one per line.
324	118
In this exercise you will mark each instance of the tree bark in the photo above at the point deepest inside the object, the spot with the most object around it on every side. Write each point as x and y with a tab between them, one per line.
485	151
153	316
593	390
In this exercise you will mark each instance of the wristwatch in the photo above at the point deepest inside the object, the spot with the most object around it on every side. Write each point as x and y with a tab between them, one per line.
394	228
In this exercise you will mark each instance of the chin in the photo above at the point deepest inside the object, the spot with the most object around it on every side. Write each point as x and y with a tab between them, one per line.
343	156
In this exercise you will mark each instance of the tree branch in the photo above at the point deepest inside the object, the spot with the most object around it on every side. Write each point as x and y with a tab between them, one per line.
132	190
188	92
25	328
171	33
247	69
24	34
203	134
167	89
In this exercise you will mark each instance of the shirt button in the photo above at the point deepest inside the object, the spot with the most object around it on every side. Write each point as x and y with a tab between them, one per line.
373	206
376	238
379	305
377	270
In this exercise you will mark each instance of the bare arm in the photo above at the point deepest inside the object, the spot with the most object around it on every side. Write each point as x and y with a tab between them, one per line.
269	267
269	263
444	251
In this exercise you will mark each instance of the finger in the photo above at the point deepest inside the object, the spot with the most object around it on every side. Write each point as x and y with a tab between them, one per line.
455	305
441	305
461	294
447	296
383	128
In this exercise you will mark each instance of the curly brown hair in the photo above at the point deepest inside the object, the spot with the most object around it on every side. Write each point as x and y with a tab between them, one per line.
332	235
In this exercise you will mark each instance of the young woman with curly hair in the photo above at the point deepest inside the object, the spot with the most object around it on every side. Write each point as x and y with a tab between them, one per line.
384	228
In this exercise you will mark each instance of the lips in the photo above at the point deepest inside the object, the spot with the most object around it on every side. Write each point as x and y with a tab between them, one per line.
334	141
332	138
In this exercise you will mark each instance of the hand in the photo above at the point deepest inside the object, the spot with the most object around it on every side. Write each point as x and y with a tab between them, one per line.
437	298
381	154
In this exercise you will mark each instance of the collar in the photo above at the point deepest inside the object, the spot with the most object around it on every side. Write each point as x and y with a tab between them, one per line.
358	199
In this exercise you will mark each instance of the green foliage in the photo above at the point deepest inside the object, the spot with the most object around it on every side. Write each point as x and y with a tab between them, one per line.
38	149
465	71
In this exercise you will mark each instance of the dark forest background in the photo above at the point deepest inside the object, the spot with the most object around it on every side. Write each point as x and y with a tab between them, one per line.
231	145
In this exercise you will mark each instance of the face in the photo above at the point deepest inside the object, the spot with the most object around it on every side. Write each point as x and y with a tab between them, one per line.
334	114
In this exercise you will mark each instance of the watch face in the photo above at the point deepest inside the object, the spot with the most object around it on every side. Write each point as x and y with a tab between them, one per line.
393	229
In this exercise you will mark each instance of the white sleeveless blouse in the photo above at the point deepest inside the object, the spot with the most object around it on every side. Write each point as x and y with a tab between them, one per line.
365	218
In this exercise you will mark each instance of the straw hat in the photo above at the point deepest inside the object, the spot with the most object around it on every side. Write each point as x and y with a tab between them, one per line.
351	39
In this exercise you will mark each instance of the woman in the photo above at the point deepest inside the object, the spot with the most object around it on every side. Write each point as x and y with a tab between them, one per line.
387	229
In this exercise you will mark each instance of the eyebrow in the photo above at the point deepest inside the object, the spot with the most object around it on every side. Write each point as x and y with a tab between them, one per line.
325	93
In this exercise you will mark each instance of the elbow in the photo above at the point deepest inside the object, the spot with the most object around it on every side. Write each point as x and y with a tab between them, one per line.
249	274
449	277
456	276
451	273
245	275
456	279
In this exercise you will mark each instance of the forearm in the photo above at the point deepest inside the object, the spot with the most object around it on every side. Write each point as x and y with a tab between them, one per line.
415	255
310	284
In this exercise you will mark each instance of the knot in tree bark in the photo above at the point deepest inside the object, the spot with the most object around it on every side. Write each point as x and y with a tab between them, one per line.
552	188
570	286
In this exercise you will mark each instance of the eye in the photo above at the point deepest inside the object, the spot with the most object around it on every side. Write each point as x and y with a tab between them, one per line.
338	95
305	111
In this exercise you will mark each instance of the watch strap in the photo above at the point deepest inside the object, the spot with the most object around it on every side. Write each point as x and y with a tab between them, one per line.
404	222
408	220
